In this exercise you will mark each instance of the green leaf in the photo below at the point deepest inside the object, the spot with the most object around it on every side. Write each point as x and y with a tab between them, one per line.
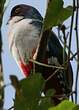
45	103
65	13
56	14
32	85
30	93
50	92
65	105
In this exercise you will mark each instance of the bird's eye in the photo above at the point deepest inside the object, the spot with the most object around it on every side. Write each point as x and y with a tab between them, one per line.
17	10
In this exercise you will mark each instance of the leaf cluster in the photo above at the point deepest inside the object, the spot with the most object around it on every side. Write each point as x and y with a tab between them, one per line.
29	95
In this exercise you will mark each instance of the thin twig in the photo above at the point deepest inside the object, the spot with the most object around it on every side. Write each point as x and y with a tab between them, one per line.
1	75
67	47
70	37
11	108
76	53
61	65
42	46
65	95
72	20
46	65
52	75
76	31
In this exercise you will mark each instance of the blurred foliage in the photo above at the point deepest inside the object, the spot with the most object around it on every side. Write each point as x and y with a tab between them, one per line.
1	10
65	105
28	94
56	14
1	74
1	91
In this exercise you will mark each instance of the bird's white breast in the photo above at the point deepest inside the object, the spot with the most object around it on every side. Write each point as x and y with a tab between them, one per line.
23	38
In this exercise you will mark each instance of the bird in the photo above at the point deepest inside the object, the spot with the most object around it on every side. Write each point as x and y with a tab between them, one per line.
24	30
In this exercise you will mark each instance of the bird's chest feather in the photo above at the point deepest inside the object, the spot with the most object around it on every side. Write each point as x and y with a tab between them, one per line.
24	41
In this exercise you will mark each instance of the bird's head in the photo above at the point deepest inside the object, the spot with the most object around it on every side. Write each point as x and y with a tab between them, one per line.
25	11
